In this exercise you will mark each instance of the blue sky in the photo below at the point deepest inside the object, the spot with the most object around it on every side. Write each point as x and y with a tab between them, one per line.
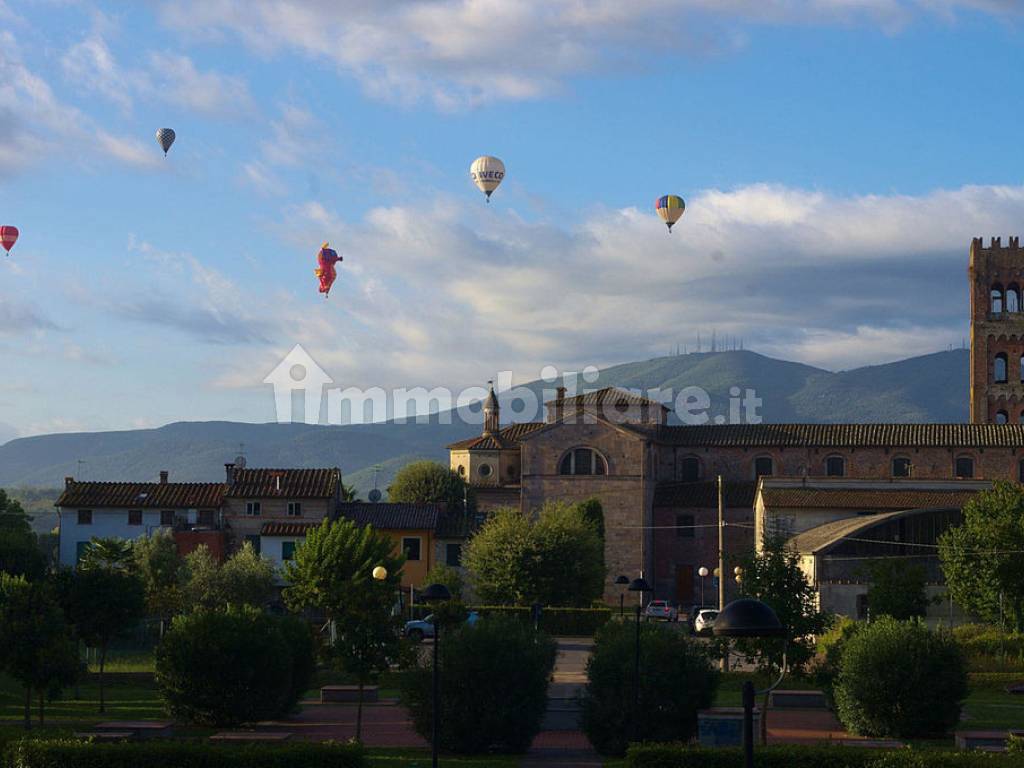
836	157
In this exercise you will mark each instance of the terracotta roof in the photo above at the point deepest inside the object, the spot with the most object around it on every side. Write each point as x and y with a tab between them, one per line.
287	529
293	483
607	396
507	437
704	495
393	516
142	495
866	498
845	435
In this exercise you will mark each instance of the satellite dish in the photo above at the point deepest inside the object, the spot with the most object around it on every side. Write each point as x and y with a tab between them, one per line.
374	496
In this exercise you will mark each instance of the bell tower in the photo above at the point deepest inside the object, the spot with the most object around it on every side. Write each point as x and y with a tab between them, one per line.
997	332
492	413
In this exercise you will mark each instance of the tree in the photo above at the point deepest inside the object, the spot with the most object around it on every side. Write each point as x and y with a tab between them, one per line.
159	567
553	559
112	554
245	579
433	483
103	603
593	512
19	549
449	577
12	515
897	590
38	650
333	571
980	558
348	493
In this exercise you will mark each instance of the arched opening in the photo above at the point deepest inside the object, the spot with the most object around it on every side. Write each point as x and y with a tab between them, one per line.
763	467
1012	298
964	467
1002	417
999	368
835	466
583	461
997	298
689	469
1020	471
901	467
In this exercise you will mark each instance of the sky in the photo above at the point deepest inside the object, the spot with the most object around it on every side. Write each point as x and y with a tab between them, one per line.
836	157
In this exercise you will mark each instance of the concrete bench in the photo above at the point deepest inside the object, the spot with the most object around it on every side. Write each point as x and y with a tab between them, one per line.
106	736
251	737
989	741
1017	689
348	694
797	700
873	743
139	729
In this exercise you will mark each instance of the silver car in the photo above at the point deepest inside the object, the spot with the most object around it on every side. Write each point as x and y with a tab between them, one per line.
661	609
705	621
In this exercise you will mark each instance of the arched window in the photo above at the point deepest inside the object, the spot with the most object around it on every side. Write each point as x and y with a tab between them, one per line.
835	466
999	368
689	468
1012	298
583	461
1002	417
964	467
462	470
901	467
763	467
997	298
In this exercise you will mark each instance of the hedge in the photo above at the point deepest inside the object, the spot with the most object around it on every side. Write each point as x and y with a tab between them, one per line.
179	754
793	756
580	622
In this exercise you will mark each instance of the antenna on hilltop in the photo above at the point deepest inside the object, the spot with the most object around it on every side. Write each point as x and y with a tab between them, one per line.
240	458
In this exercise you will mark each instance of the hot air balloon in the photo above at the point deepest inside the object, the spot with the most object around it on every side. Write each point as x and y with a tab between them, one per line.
487	173
326	259
165	137
8	237
670	208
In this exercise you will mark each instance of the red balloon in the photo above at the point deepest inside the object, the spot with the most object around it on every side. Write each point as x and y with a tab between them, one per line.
8	237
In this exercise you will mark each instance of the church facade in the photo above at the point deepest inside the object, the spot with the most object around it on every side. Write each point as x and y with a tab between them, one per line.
657	481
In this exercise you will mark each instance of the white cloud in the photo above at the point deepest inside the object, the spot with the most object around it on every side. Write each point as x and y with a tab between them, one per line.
128	150
90	65
464	52
179	82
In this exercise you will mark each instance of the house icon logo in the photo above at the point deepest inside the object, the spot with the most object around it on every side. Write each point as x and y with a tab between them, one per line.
298	372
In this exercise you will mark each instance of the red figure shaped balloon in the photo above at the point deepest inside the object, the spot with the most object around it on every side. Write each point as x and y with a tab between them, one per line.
325	261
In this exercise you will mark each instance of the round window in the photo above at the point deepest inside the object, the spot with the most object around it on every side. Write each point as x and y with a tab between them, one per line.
462	471
485	470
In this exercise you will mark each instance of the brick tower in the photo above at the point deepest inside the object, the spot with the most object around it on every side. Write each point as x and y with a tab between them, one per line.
997	332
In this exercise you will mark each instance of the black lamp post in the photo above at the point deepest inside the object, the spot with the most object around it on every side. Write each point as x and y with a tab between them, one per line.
435	593
622	581
639	585
750	618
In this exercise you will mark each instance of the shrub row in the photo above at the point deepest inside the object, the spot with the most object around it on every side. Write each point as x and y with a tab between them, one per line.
580	622
178	754
792	756
989	648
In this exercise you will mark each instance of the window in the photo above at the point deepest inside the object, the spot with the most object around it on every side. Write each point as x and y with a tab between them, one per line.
411	547
287	550
253	540
583	461
901	467
453	554
253	509
684	526
206	517
1002	417
689	469
134	517
85	517
1012	298
999	368
80	549
763	466
484	470
462	470
294	509
997	298
835	466
964	466
166	517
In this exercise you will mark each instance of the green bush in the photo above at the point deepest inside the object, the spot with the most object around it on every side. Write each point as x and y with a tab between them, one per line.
179	754
494	682
824	667
989	648
900	679
575	622
794	756
242	666
677	679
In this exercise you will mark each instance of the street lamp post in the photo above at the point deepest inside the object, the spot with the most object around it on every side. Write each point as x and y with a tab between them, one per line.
702	572
622	581
750	618
435	593
639	585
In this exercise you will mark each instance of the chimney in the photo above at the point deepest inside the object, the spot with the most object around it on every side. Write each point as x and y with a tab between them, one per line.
163	477
68	481
229	472
558	407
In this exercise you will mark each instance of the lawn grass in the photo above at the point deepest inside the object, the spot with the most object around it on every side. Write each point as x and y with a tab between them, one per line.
731	684
989	706
395	757
125	661
124	702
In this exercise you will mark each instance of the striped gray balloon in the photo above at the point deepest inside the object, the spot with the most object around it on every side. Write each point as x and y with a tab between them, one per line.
165	137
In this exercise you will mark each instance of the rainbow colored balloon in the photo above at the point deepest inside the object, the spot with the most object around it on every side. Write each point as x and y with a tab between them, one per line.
670	208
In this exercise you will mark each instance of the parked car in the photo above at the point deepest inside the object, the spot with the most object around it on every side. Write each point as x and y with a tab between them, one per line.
419	629
661	609
705	621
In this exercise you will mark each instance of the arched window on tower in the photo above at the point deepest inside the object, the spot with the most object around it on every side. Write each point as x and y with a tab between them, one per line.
583	461
997	298
999	368
1002	417
1012	298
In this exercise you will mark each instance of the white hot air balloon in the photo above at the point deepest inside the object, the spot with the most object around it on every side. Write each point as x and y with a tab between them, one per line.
487	173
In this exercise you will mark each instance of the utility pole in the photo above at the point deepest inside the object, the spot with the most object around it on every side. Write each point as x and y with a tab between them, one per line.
721	562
